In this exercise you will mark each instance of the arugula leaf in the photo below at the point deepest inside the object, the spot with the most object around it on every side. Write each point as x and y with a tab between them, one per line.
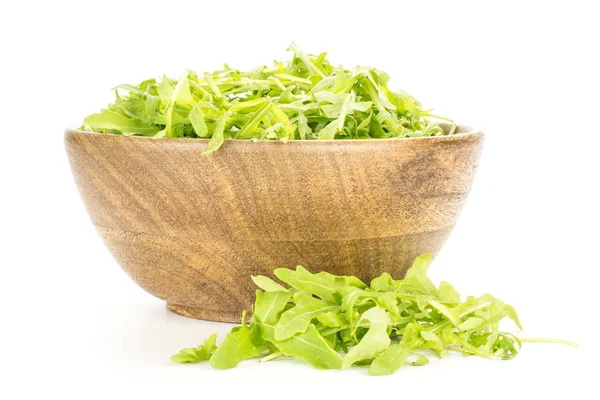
417	274
354	297
304	98
384	325
420	359
312	347
114	121
198	122
269	305
447	293
297	319
219	136
237	346
470	323
200	353
389	361
311	283
332	320
267	284
165	91
383	283
375	341
512	314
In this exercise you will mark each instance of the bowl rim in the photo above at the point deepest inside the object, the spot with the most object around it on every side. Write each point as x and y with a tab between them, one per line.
468	132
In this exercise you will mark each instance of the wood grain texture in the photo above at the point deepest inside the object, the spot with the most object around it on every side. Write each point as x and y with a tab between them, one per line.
191	229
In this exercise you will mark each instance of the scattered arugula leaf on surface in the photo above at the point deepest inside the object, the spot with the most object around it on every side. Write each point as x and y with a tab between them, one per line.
197	354
306	98
385	325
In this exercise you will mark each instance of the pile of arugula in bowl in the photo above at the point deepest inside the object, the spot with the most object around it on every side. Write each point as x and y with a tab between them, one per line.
306	98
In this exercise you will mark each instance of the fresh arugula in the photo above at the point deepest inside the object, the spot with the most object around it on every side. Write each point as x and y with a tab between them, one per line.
306	98
197	354
384	325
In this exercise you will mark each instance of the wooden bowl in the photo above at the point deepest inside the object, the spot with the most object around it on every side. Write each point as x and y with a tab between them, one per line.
191	229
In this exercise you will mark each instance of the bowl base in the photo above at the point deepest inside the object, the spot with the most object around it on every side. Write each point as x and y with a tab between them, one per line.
202	313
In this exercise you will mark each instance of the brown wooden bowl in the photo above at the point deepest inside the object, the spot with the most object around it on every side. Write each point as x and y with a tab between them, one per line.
191	229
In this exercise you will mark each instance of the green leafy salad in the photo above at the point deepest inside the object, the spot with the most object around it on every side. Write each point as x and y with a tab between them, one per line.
334	322
306	98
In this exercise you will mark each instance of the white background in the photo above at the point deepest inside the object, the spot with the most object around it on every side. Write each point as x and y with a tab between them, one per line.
74	324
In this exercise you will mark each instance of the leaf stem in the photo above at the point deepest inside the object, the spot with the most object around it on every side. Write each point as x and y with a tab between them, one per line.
169	113
271	356
549	340
212	85
452	130
343	112
426	114
334	330
307	61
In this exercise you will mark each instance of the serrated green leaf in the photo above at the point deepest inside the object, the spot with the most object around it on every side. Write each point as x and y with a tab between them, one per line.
512	314
420	359
417	274
375	341
107	119
383	283
198	354
389	361
447	293
302	279
332	320
219	135
197	120
298	318
236	347
470	323
311	347
269	305
267	284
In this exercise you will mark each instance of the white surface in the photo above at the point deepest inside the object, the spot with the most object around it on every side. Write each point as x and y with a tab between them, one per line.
73	324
